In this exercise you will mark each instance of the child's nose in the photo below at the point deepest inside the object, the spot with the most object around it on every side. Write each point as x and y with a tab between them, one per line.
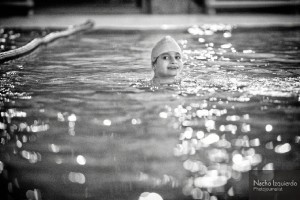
173	60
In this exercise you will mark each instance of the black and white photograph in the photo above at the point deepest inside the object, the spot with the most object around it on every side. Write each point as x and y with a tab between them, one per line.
150	100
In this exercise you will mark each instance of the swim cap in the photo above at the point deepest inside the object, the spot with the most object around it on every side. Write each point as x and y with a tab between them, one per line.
166	44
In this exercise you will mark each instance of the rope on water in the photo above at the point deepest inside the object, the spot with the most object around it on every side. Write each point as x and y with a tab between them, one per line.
15	53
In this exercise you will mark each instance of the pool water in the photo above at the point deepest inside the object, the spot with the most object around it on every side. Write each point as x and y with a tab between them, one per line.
13	38
77	122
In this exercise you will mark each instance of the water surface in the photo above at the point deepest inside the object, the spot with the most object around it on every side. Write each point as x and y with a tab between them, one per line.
76	122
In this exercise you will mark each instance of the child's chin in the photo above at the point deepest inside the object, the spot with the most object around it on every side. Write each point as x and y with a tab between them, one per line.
173	72
170	75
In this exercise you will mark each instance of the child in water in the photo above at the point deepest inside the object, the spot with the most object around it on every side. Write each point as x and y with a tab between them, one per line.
166	61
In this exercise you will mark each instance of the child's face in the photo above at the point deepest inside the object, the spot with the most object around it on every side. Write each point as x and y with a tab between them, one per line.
168	65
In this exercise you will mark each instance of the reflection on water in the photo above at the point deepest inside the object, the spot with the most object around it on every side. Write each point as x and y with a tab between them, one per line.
76	122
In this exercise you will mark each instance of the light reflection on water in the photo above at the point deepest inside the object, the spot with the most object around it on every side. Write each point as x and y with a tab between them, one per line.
76	123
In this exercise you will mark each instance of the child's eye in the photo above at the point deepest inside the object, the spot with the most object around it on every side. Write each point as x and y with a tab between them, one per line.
177	57
165	57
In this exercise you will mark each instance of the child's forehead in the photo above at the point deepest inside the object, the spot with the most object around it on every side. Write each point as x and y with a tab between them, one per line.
170	53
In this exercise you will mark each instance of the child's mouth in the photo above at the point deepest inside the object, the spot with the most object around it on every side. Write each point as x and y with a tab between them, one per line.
173	67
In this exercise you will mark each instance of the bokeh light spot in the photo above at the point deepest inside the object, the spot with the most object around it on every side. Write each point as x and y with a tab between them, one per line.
283	148
269	127
72	118
81	160
150	196
106	122
163	115
77	177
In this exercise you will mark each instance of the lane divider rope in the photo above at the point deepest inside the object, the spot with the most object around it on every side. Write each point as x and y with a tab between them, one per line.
35	43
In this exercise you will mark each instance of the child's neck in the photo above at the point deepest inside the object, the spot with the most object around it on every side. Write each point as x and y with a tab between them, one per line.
163	80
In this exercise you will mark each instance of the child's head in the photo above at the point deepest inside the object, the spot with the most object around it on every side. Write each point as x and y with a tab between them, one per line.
166	58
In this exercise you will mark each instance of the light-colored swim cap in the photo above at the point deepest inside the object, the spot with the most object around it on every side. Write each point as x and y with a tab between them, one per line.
166	44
